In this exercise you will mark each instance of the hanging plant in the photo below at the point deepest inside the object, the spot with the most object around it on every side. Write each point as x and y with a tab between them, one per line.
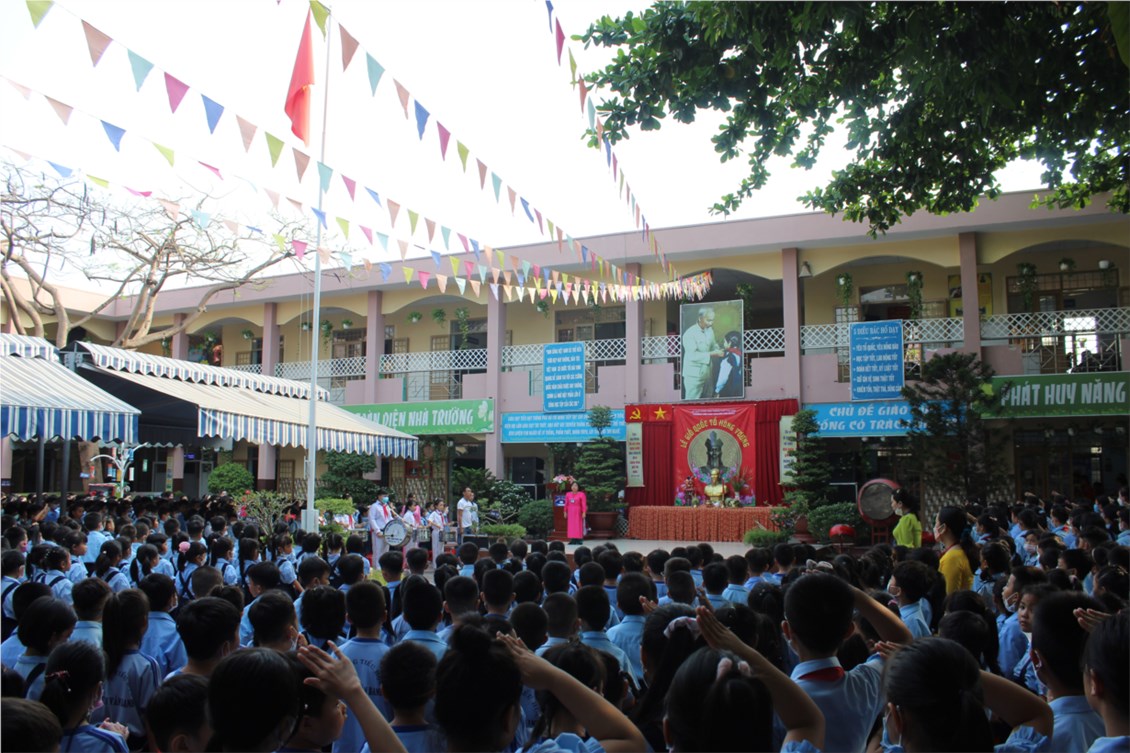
209	339
166	346
305	326
1027	282
543	307
1067	264
248	334
914	293
844	289
439	316
327	329
346	323
414	316
463	319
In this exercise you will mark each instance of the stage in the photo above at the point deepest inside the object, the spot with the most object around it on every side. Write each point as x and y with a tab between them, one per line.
693	524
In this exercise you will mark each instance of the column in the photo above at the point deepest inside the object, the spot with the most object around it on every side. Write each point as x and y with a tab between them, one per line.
179	349
6	459
175	458
270	358
793	309
971	314
496	339
374	343
633	340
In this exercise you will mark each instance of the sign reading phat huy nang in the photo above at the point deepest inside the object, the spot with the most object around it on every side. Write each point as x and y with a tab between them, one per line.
432	417
1045	395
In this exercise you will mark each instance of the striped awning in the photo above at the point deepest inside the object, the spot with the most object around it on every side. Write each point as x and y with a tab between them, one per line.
26	346
41	396
133	362
237	413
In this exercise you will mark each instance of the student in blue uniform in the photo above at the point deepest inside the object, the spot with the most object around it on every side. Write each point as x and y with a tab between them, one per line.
95	538
738	570
1106	681
562	624
408	683
715	578
365	605
273	622
423	610
221	558
164	564
629	633
261	577
90	597
1013	643
248	556
108	566
28	725
72	686
144	562
757	559
312	572
284	560
190	558
593	609
58	564
177	716
161	641
210	628
45	624
12	563
131	677
910	582
323	616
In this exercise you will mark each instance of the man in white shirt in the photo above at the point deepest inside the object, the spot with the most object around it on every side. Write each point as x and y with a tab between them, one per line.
467	513
699	345
380	515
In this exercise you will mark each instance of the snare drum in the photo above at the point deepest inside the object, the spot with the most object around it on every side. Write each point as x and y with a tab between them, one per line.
395	533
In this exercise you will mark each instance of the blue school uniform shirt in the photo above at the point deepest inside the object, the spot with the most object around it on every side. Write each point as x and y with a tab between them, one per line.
912	617
850	704
126	693
298	607
89	631
366	655
94	541
1025	673
736	594
611	591
246	632
91	739
1077	725
61	585
164	567
752	581
598	639
162	642
1123	538
417	738
78	572
628	635
696	575
1069	539
25	665
8	588
227	569
287	573
1012	645
117	580
660	588
716	600
184	581
550	642
429	640
1110	745
566	742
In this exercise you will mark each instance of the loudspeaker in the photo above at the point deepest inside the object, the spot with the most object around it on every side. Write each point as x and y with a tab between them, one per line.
527	470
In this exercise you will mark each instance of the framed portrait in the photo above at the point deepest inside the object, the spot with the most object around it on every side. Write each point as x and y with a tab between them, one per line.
711	344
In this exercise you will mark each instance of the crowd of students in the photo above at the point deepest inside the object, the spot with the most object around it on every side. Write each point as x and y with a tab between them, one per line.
148	625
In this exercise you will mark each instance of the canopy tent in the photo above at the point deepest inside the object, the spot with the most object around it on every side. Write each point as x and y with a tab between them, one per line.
41	398
183	411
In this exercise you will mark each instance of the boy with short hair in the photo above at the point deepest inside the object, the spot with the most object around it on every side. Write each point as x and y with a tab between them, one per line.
323	618
909	584
261	577
89	597
176	719
562	623
656	561
365	605
680	589
738	571
312	572
423	610
715	578
593	609
628	635
210	629
497	594
161	640
757	559
460	598
468	555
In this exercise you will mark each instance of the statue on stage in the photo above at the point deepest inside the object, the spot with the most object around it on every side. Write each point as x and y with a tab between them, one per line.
715	491
713	453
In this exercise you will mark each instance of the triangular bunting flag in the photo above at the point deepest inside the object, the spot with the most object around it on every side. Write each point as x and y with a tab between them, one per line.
413	218
296	204
454	265
376	70
376	196
482	174
386	270
463	152
171	208
463	240
64	172
403	249
98	181
38	9
203	219
232	225
559	35
475	287
351	187
484	270
572	68
214	170
424	278
368	233
421	119
526	207
393	210
348	47
273	196
23	90
299	248
142	194
96	42
140	67
541	229
325	173
497	181
444	138
441	281
114	133
431	225
384	240
461	284
321	13
324	254
62	110
212	111
346	260
446	233
513	198
301	162
247	131
165	151
494	273
344	225
549	9
403	95
436	257
407	274
176	89
494	291
320	215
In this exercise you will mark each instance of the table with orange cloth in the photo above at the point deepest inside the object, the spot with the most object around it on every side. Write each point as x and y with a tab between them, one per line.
690	524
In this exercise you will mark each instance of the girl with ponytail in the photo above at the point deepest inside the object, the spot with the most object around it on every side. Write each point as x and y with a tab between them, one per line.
670	635
190	557
952	531
107	566
72	686
937	697
131	677
144	563
222	549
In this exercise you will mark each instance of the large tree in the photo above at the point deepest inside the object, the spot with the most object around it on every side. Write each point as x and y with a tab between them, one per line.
935	97
138	249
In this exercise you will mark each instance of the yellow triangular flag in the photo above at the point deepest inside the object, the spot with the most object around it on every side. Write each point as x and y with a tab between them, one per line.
321	13
165	151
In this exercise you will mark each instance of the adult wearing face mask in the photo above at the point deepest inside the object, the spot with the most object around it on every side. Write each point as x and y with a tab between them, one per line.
951	530
908	532
380	515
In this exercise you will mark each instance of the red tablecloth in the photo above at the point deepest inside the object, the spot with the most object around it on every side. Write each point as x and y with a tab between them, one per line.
693	524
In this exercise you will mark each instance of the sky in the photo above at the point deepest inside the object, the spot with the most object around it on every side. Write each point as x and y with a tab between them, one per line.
486	69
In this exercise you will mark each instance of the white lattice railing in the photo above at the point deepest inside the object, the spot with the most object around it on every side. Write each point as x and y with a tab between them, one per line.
1112	321
439	360
945	332
764	340
606	350
336	368
659	348
250	368
522	355
823	337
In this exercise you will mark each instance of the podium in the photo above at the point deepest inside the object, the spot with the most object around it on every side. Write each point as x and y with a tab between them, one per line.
560	519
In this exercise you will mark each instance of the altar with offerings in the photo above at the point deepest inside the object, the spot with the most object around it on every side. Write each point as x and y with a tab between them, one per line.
691	524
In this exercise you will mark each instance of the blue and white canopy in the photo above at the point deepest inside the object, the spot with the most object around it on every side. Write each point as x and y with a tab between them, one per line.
40	396
26	346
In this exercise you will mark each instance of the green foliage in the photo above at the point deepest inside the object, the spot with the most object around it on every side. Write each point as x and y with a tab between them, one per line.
821	520
564	455
504	531
537	518
810	471
949	443
342	477
762	537
265	509
507	499
918	89
600	472
230	477
335	506
600	418
479	479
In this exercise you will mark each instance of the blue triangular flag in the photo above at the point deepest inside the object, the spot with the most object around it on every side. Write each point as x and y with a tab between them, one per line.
114	133
141	68
383	239
346	260
376	70
386	270
376	196
213	110
585	254
607	151
325	172
475	248
526	206
436	257
320	215
421	119
446	233
549	9
64	172
201	218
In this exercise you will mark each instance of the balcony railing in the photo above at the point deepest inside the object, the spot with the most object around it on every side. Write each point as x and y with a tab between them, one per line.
1057	342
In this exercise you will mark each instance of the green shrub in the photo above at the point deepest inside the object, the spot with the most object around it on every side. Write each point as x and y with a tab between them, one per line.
504	531
506	499
763	537
343	476
537	517
232	478
821	520
335	506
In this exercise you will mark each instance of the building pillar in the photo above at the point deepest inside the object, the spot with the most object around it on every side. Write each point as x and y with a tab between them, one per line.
179	349
266	480
269	359
496	340
633	341
793	309
5	462
175	458
374	343
970	303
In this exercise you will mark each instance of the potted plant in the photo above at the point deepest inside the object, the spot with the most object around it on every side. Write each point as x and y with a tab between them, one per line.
248	334
327	330
1027	283
305	326
1067	264
346	323
439	316
414	316
914	293
166	346
543	307
844	288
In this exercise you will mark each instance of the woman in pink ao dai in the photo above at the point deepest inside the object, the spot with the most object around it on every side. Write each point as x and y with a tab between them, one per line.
576	507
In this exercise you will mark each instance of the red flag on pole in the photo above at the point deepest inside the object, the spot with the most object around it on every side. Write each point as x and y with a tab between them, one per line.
298	95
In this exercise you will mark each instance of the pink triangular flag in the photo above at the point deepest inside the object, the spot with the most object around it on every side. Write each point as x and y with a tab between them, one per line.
393	210
296	204
494	273
559	34
424	276
247	131
444	137
403	249
215	170
431	224
23	90
348	47
96	42
513	197
177	89
584	94
350	184
299	248
325	254
368	265
541	229
171	208
273	196
469	269
232	225
62	110
301	162
441	281
482	174
403	94
474	287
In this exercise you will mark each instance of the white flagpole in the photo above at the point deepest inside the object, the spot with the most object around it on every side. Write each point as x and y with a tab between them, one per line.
310	516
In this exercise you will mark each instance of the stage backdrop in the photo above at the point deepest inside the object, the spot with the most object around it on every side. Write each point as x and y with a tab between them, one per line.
684	440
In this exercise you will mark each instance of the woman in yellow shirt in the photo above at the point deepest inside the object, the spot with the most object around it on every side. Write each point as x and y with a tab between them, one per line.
951	529
908	532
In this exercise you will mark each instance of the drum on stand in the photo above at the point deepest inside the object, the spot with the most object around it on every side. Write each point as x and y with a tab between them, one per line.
395	533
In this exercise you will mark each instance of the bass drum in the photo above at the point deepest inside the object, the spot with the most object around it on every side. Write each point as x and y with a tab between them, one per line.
875	501
395	533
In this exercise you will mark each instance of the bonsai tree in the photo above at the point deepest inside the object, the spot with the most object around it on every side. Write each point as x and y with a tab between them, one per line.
230	477
343	477
810	471
599	467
